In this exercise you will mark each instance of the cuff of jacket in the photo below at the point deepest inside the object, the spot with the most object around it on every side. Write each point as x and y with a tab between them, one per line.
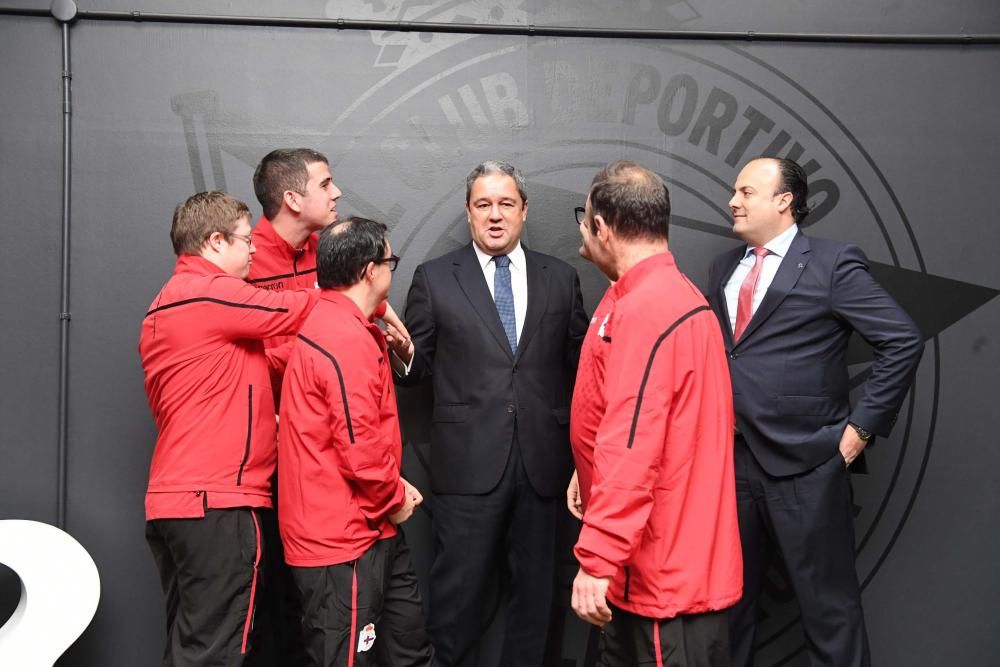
872	421
593	564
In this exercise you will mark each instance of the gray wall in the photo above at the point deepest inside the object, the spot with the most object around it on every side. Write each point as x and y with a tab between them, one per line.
901	140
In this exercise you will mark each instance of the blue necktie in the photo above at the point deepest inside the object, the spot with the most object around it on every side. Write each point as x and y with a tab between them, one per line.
504	297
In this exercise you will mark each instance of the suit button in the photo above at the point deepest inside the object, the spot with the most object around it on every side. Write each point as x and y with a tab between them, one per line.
510	408
733	355
514	370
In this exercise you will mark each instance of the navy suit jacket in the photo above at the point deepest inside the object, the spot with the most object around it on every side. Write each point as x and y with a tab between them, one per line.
482	389
789	369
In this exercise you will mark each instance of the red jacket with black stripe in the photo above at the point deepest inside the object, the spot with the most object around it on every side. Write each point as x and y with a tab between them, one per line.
208	387
277	267
652	433
339	448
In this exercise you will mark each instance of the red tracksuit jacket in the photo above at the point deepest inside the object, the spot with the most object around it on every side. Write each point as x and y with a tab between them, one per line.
278	266
339	447
208	388
652	433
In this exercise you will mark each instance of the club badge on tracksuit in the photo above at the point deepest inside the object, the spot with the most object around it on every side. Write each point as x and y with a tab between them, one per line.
367	638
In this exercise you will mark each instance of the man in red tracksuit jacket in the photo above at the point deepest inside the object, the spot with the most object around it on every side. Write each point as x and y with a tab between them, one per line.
341	496
299	198
208	387
651	427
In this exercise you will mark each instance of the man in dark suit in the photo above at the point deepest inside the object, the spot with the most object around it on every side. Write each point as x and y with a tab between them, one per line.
787	304
498	328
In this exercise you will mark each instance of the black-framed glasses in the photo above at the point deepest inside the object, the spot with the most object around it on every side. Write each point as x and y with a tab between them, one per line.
391	260
581	213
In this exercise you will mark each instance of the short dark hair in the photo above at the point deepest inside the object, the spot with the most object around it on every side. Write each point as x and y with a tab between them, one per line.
202	215
282	170
795	181
495	167
633	201
345	248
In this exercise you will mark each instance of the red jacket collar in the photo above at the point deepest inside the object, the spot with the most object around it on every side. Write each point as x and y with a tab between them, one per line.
265	235
340	300
638	273
196	264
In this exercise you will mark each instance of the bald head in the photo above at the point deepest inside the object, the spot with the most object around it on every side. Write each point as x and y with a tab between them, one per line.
632	200
346	248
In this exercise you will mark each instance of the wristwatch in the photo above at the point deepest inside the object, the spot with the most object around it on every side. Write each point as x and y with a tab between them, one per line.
862	433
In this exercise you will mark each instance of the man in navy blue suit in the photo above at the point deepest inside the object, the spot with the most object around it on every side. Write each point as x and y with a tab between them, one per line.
787	304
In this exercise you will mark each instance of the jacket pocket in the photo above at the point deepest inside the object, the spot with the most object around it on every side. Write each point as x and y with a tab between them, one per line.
451	412
806	405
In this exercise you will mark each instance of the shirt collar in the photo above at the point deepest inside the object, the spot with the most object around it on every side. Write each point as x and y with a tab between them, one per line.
779	245
516	256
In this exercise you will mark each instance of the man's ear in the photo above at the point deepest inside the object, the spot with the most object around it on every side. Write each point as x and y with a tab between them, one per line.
602	230
784	201
292	200
215	241
524	212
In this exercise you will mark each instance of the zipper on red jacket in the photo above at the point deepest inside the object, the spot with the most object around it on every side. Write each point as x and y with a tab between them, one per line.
246	450
628	580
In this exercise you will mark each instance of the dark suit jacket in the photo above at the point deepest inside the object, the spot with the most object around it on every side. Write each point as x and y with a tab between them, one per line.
789	369
480	388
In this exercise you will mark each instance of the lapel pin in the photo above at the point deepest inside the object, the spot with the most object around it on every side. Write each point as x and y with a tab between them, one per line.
801	265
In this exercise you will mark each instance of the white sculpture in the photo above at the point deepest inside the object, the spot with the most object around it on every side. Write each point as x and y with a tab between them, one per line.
60	588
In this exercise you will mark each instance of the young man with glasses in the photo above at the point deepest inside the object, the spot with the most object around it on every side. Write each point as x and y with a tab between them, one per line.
208	388
341	495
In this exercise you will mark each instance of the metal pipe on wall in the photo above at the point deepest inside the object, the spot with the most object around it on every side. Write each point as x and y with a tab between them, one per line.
64	11
525	30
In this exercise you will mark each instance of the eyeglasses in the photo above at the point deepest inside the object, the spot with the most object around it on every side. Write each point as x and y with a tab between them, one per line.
247	238
581	213
391	260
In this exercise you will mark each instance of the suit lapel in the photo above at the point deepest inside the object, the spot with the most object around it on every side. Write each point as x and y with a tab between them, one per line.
469	276
784	280
538	296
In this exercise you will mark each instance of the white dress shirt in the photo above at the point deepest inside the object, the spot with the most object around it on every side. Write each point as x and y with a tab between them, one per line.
779	248
518	280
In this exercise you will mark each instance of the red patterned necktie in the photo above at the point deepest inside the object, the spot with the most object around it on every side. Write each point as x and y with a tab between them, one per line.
744	307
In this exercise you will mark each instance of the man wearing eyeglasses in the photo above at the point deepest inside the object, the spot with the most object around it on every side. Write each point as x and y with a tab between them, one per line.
206	379
497	328
659	549
341	495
